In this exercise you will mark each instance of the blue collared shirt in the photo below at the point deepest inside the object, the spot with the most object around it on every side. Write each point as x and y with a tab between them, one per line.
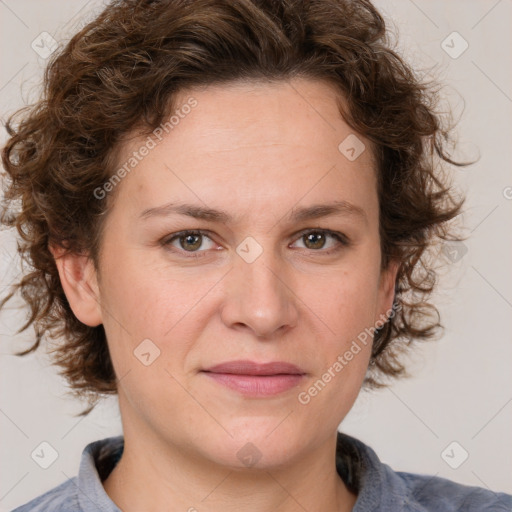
378	487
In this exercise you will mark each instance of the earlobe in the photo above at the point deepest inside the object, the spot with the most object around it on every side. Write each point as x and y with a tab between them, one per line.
79	282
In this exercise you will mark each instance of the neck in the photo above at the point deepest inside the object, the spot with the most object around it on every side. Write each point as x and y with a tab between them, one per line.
155	476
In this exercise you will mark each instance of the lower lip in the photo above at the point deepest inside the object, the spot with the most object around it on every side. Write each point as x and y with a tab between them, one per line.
257	385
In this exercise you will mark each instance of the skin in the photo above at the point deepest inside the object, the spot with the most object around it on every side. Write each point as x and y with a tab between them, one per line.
239	150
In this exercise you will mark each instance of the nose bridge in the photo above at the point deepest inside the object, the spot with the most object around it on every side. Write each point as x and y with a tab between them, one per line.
258	296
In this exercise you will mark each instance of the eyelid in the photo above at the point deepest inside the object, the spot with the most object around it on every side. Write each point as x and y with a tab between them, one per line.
341	237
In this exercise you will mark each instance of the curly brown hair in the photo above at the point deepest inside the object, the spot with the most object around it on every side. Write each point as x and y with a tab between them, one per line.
122	72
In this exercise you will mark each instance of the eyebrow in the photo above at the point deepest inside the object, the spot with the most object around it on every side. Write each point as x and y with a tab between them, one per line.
297	214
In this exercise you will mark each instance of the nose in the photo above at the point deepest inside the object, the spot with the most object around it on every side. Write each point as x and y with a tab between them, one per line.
258	297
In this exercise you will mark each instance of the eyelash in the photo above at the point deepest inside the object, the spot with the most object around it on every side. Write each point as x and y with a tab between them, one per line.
340	237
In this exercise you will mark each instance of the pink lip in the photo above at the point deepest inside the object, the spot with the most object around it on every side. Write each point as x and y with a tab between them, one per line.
256	379
252	368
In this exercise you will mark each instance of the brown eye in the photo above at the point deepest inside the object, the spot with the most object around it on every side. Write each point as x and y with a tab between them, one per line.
190	242
314	240
323	241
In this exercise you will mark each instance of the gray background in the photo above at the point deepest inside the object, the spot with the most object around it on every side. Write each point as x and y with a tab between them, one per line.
462	386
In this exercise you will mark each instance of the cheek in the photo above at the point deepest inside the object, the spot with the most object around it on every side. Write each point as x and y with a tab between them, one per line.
146	299
147	322
151	318
348	301
347	306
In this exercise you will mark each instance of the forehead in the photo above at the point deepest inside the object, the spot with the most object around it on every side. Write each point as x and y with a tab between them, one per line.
300	113
251	143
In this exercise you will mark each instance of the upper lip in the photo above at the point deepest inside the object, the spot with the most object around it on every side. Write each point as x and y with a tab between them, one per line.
254	368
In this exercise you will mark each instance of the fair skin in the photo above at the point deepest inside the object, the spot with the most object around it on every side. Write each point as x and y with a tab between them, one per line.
259	152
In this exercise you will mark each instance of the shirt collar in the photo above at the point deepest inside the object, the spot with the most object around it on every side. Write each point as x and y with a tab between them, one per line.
98	459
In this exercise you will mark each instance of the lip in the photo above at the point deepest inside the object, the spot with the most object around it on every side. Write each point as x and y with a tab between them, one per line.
245	367
256	379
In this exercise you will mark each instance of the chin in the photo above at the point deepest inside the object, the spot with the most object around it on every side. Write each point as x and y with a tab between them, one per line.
260	445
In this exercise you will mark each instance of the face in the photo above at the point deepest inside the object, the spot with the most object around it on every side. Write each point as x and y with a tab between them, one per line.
245	234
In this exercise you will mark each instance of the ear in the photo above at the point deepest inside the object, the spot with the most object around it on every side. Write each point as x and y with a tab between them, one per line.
79	282
386	291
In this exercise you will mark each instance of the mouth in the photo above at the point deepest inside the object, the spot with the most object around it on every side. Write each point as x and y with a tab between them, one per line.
256	379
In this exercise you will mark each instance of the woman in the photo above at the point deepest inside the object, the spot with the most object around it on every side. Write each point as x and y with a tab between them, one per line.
228	208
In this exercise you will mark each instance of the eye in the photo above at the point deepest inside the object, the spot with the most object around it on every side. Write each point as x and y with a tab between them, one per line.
189	241
316	239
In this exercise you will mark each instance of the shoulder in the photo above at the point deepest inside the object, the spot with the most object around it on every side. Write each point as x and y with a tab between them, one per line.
380	488
62	498
85	492
425	492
